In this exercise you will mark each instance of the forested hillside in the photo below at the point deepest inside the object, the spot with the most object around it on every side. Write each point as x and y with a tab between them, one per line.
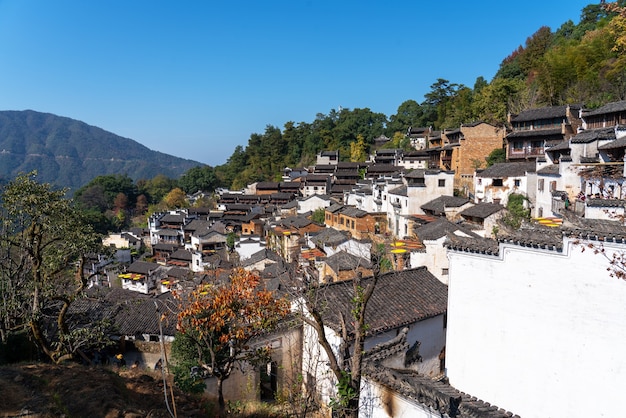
582	62
70	153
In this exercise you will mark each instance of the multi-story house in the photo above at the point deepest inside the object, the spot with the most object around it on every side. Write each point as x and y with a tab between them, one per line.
590	165
418	136
328	158
359	223
391	156
142	276
494	184
314	184
435	145
535	130
286	236
465	149
168	227
412	160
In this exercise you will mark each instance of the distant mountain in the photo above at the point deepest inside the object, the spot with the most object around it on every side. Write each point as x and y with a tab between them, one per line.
69	153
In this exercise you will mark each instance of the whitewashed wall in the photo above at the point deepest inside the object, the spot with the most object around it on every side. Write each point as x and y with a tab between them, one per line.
538	333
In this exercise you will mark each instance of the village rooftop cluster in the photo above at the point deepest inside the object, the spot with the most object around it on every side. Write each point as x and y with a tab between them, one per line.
475	319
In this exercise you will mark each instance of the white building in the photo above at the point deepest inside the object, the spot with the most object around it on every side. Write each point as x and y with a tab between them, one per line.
536	324
434	256
312	203
412	299
494	184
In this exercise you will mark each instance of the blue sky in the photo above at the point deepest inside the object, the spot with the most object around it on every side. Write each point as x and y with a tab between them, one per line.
195	78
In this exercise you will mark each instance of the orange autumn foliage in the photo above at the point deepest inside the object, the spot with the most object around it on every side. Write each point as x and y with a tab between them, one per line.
223	318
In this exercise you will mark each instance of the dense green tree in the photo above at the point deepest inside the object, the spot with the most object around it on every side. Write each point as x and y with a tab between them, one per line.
235	165
439	97
319	216
102	190
156	188
498	155
175	199
200	178
358	149
44	243
399	141
494	101
409	114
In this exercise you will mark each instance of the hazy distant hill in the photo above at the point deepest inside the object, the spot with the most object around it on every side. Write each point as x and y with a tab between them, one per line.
70	153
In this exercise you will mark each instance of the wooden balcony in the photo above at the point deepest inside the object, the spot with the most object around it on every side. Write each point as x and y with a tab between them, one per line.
526	152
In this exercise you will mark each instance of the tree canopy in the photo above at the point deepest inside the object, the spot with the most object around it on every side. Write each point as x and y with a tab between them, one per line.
222	319
44	244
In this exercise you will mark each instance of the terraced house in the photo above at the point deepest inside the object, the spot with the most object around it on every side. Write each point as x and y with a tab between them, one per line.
535	130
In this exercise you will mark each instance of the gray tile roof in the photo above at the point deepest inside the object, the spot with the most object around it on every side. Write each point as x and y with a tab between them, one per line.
344	261
438	205
482	210
173	218
606	203
437	395
197	225
161	246
472	245
595	229
563	145
131	313
179	273
535	133
295	222
400	298
440	228
400	191
168	232
537	236
590	135
383	168
551	170
181	254
618	143
417	173
353	212
267	185
264	254
607	108
514	169
549	112
329	237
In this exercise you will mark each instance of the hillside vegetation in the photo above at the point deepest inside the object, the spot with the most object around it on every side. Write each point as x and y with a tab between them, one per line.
577	63
70	153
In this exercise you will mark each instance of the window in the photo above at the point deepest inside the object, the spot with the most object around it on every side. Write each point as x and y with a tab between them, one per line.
268	381
540	185
444	272
497	182
517	182
552	186
518	145
442	182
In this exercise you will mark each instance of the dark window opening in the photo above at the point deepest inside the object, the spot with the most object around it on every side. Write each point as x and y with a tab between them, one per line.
269	382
